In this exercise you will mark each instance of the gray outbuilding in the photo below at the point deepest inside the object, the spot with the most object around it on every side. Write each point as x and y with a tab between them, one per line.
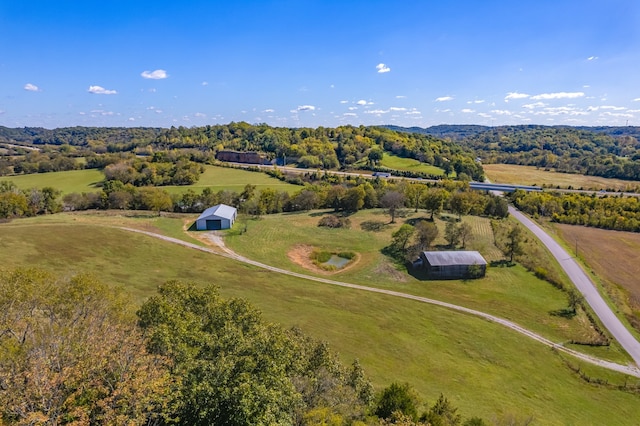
216	217
450	265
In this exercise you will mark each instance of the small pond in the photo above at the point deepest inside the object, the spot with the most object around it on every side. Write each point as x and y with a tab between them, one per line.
337	261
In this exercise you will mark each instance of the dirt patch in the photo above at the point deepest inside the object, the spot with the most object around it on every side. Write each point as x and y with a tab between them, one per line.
300	254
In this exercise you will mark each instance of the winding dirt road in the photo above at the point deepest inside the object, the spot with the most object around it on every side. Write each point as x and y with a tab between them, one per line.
228	253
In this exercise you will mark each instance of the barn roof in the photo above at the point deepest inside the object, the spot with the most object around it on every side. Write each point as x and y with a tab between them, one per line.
221	210
449	258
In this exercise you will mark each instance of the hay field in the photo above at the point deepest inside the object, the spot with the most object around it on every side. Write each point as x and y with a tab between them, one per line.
530	175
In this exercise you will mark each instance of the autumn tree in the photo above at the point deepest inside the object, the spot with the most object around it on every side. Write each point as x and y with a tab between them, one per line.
465	233
514	242
433	200
426	233
452	234
70	353
392	201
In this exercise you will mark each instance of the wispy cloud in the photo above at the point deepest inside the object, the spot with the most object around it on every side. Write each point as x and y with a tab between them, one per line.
397	109
99	90
592	58
477	101
468	111
199	115
155	75
515	95
501	112
636	100
344	102
205	83
350	114
535	105
269	110
306	108
401	97
558	95
444	98
382	68
31	87
376	111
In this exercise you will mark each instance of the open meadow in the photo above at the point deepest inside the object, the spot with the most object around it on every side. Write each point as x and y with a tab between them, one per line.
530	175
483	368
216	178
409	165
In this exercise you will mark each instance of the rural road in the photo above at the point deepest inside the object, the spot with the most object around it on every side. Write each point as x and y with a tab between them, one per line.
228	253
584	284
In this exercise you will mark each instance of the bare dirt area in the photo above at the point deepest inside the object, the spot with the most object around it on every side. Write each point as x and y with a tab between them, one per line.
300	254
613	255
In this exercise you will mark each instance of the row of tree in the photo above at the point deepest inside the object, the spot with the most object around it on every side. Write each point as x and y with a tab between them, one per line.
72	351
620	213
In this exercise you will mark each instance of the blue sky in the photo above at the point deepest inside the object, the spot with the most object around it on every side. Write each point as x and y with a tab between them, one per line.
319	63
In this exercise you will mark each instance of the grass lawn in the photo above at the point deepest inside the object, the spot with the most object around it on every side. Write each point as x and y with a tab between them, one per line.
484	369
530	175
409	164
69	181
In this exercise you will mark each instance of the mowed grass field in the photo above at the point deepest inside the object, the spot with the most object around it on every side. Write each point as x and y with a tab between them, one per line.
484	369
530	175
85	180
409	164
509	292
216	178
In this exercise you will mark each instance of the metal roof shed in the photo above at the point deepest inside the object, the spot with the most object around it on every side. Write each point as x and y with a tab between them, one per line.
453	264
217	217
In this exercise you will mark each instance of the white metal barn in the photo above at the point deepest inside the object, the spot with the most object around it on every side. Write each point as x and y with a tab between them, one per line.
216	217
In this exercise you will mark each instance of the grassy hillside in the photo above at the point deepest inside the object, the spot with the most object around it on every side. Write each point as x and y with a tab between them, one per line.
483	368
409	164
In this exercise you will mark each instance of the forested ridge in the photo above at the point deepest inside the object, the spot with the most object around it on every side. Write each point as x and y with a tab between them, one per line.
611	152
328	148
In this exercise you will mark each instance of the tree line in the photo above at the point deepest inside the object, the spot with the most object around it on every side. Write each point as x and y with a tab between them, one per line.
76	351
618	212
328	148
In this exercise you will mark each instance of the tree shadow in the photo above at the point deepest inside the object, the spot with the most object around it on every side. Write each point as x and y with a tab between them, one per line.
502	263
373	225
567	313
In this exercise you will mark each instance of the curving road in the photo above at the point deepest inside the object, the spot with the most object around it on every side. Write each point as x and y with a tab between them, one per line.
584	284
228	253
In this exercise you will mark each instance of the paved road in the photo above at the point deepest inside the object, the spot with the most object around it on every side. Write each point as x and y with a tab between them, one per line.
226	252
584	284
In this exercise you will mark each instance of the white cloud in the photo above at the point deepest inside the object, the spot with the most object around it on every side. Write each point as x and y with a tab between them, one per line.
468	111
154	75
401	97
361	102
382	68
592	58
413	112
479	101
344	102
352	108
515	95
444	98
376	111
31	87
132	119
484	115
350	114
205	83
558	95
306	108
616	114
501	112
397	109
269	110
199	115
98	90
615	108
535	105
636	100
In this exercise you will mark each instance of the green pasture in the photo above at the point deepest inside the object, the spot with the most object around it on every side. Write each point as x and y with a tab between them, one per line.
219	178
216	178
509	292
409	164
85	180
483	368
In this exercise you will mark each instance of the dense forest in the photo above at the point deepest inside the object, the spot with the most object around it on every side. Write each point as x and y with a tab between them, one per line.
611	152
76	351
345	147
